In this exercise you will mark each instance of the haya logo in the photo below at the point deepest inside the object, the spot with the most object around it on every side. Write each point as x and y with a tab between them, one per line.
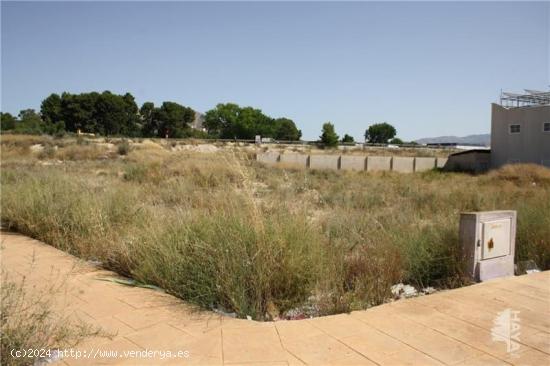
506	328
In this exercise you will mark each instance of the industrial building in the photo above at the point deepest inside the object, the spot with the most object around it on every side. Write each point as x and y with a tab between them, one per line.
520	129
520	133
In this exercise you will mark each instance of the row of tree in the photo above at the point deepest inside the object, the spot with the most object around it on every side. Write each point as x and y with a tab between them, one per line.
111	114
378	133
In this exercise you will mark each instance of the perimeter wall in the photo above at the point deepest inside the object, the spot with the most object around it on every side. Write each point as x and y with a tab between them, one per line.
351	162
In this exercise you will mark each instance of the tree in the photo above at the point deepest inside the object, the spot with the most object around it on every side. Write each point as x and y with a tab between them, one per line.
232	121
30	123
380	133
110	115
396	141
220	120
104	113
329	137
113	114
149	126
347	138
7	122
173	119
50	109
286	130
78	111
133	124
252	122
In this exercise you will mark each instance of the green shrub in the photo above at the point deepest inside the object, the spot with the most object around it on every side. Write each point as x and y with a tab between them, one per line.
123	148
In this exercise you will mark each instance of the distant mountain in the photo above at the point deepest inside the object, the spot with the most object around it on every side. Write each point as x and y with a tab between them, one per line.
483	140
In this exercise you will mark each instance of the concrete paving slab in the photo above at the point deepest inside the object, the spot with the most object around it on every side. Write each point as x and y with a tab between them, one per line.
470	314
262	345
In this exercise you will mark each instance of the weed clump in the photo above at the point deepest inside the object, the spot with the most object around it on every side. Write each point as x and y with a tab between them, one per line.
48	152
123	148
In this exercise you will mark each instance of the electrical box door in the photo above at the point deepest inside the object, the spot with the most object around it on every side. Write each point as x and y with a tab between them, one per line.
495	239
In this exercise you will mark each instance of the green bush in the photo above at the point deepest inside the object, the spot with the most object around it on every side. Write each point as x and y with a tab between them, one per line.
123	148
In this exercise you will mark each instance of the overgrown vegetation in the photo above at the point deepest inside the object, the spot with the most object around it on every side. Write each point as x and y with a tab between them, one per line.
222	231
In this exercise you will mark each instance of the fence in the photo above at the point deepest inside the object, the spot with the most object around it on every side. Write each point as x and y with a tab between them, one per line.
351	162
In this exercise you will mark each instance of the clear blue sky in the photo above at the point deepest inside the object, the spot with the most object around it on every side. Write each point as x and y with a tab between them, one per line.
429	68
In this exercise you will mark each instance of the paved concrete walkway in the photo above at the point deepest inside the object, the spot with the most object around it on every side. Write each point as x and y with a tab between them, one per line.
457	327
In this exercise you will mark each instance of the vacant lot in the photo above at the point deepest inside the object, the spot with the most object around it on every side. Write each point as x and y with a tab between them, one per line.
215	228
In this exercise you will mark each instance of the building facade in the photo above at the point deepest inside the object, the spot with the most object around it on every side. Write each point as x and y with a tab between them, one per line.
520	129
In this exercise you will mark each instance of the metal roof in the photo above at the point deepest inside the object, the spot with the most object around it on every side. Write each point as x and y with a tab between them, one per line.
530	98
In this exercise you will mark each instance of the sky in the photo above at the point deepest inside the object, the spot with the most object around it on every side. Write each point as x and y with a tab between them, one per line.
428	68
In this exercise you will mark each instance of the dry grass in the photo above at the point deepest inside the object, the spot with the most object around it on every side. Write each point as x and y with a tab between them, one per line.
84	152
31	319
225	232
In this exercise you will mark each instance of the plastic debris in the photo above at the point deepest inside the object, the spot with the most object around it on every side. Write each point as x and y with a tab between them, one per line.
428	290
401	290
224	313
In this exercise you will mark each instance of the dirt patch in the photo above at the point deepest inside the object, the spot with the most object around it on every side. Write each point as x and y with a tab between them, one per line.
202	148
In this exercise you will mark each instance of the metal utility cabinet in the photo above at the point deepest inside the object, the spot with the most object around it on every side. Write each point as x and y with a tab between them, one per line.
488	241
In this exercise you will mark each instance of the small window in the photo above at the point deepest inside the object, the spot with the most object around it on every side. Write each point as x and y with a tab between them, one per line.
514	128
546	127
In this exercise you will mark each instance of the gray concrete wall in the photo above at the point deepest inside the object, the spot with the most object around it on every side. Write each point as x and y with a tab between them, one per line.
294	160
352	162
403	164
269	157
324	161
423	164
378	163
530	145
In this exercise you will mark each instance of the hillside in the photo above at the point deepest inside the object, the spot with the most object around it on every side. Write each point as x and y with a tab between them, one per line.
483	139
